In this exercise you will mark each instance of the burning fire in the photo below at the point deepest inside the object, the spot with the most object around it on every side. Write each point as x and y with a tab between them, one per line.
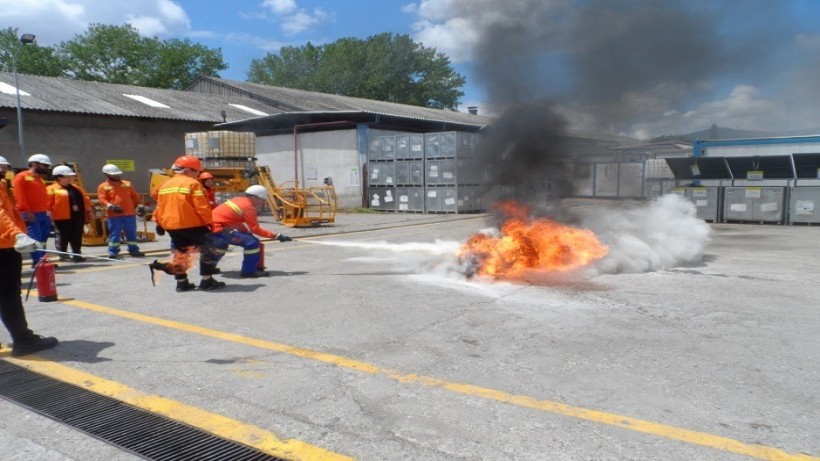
530	244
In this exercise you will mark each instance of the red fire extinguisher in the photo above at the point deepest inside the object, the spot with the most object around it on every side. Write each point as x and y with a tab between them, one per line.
44	273
261	264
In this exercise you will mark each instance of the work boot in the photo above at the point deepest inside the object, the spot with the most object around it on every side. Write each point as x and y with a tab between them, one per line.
136	254
185	285
254	275
65	258
34	344
78	259
113	256
211	284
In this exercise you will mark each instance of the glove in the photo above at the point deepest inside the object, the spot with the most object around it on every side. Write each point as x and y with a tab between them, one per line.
25	244
283	238
160	230
115	208
29	217
140	211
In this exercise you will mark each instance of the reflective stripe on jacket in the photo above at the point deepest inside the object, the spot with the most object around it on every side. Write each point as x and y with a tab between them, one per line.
59	201
30	193
237	213
181	204
121	194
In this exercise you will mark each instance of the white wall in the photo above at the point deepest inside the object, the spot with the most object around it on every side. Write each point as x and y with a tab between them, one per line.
324	154
770	149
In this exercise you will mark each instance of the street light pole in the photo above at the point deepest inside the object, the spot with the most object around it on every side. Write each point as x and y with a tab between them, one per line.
24	40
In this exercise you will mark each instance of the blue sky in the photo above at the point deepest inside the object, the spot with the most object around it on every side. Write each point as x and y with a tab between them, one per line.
746	64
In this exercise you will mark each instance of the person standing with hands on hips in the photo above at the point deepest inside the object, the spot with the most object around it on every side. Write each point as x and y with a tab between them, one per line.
32	201
70	210
14	242
121	202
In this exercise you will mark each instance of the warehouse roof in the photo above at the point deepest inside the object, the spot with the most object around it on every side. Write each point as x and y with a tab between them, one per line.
292	100
94	98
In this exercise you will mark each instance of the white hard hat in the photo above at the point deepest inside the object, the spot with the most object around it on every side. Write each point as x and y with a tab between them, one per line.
258	191
111	169
3	161
63	170
40	158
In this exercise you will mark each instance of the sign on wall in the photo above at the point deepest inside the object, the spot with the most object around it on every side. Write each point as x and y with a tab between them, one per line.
124	165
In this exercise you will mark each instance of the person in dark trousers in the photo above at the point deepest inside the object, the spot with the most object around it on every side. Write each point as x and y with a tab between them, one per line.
14	242
70	210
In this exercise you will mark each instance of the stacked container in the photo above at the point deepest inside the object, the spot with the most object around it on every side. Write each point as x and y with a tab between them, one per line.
432	172
222	149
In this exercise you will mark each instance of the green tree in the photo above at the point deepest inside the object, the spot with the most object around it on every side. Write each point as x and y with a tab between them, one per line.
118	54
33	59
383	67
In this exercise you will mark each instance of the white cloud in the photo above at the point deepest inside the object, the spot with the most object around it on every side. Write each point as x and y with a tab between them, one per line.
280	6
301	21
261	43
410	8
54	21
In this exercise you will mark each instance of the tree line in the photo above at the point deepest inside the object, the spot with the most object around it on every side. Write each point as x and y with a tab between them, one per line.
385	67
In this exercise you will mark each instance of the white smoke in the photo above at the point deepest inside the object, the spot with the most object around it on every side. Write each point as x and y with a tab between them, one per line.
641	236
649	236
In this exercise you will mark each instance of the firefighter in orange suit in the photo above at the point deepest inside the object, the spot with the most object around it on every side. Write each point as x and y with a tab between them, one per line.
70	210
184	212
13	243
207	180
32	201
235	222
121	202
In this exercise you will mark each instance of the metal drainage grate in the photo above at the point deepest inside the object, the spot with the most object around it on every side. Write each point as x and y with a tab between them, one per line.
133	429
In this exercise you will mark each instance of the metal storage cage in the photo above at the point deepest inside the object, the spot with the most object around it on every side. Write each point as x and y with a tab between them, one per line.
382	198
382	173
706	201
754	204
410	199
803	205
409	172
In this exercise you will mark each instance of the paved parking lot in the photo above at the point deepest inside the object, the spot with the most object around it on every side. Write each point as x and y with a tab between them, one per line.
380	350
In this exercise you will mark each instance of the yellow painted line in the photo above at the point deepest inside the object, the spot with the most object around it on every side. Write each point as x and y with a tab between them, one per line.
213	423
625	422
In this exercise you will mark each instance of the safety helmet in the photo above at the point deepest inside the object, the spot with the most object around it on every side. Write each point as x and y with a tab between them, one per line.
258	191
63	170
3	161
111	169
40	158
205	175
188	161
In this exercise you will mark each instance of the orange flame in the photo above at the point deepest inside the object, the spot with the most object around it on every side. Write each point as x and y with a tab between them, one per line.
528	244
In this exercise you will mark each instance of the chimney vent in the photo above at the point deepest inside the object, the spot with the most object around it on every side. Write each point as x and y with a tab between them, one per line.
473	110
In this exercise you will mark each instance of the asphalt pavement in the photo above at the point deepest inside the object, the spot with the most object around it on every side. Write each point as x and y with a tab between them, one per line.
368	342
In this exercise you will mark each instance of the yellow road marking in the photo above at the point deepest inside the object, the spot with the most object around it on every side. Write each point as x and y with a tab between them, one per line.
216	424
625	422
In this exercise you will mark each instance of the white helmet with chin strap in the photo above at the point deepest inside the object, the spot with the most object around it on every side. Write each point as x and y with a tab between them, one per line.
257	191
5	162
112	170
40	158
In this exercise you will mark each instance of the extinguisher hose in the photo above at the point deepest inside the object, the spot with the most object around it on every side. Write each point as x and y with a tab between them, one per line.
31	282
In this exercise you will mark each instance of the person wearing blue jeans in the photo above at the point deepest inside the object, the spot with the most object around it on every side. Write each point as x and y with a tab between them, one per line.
31	199
122	204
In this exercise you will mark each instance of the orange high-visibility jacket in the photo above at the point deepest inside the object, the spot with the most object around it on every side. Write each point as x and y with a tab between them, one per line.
11	223
181	204
59	202
122	194
30	193
240	214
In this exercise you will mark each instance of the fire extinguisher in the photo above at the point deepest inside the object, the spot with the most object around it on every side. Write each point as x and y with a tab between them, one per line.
261	264
44	272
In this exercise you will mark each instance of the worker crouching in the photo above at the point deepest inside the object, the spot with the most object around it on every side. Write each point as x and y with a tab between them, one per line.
184	212
235	222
